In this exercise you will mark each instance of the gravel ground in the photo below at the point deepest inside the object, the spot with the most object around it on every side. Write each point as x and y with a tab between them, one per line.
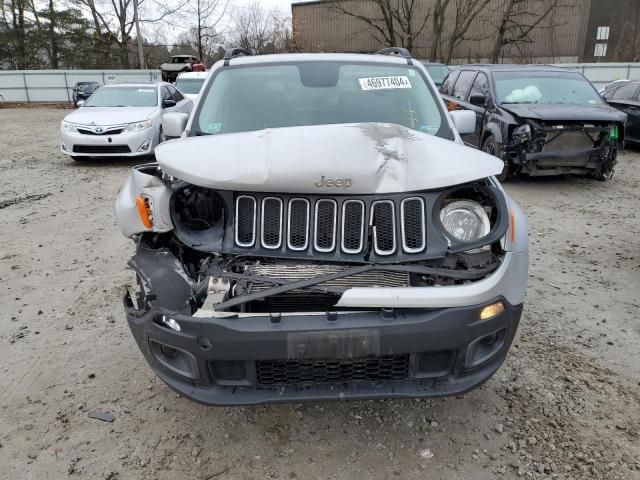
566	404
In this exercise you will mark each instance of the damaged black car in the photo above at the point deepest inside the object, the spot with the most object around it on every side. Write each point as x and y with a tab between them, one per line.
538	119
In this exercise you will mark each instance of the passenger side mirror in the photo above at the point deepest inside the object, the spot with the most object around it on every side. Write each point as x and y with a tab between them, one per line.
479	99
168	103
464	121
174	124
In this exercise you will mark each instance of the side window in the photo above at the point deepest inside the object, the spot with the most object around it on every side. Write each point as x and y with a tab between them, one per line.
480	86
448	82
175	94
462	85
626	92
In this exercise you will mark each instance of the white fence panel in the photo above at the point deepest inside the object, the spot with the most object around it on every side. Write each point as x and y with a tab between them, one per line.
57	85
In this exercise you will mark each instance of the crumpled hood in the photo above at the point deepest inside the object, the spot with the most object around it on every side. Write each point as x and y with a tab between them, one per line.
109	115
364	157
553	112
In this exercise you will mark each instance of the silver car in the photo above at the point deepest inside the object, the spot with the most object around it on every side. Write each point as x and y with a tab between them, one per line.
121	120
321	232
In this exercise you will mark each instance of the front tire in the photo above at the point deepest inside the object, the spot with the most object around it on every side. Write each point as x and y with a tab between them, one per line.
492	147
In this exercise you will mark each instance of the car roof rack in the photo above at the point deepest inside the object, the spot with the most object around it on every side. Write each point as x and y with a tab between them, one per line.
230	53
399	51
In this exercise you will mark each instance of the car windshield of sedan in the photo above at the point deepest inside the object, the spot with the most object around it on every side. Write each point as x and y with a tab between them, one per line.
189	85
124	97
250	98
545	87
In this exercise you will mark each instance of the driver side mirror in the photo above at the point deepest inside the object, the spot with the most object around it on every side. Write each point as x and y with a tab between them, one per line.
478	99
168	103
464	121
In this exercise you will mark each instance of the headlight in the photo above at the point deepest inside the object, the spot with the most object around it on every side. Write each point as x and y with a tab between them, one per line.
522	133
139	126
465	220
67	126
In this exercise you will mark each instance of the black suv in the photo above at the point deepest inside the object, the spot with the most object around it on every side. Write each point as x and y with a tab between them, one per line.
539	119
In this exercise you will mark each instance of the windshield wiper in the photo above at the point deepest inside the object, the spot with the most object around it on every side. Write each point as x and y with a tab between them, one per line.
199	133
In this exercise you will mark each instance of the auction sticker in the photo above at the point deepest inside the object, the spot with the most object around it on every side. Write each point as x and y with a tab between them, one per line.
384	83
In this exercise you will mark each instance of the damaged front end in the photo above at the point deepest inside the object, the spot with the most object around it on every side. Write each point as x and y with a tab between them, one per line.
251	297
540	147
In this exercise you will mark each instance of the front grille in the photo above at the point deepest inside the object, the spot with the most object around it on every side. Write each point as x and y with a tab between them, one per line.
352	226
325	234
384	230
413	224
101	149
298	224
292	372
228	370
271	222
113	131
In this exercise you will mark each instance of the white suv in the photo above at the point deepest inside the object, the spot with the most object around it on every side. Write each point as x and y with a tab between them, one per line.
321	232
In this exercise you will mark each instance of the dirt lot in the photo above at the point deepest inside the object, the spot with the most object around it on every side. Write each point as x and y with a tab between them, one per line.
565	405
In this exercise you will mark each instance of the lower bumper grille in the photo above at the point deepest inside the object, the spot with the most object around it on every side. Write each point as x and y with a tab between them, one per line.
101	149
292	372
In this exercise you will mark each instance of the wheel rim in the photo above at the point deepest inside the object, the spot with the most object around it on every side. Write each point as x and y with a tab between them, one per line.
490	149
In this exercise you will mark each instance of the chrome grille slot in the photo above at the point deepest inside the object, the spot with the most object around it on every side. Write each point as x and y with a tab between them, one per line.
413	224
384	228
298	224
352	226
325	225
271	231
245	224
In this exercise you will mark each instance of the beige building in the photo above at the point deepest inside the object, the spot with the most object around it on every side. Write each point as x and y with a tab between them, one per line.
569	34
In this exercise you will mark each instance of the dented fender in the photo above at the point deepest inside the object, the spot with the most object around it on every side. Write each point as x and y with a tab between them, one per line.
142	181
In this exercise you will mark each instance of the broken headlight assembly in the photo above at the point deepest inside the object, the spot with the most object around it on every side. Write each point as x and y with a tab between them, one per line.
522	133
471	216
465	220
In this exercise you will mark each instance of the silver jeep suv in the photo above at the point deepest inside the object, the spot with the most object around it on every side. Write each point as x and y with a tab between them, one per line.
321	232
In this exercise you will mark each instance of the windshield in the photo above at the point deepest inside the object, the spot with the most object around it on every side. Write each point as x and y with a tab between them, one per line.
189	85
437	72
123	97
179	59
253	98
545	87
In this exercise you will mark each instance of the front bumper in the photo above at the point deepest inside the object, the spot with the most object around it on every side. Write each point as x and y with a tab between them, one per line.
205	350
129	144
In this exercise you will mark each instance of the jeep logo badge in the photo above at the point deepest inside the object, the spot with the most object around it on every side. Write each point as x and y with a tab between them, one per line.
334	182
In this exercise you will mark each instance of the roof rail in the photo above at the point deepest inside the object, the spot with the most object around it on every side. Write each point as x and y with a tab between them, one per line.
230	53
399	51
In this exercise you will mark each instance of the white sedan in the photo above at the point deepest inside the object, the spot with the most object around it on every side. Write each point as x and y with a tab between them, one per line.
121	120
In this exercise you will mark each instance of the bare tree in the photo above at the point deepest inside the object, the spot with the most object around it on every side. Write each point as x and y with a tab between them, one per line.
466	12
260	31
208	14
115	19
518	19
394	23
439	10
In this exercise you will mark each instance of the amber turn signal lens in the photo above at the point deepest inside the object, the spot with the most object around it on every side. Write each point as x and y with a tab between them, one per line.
491	311
144	211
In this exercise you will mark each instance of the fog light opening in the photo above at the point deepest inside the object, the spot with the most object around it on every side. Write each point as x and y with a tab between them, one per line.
144	146
168	351
491	311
